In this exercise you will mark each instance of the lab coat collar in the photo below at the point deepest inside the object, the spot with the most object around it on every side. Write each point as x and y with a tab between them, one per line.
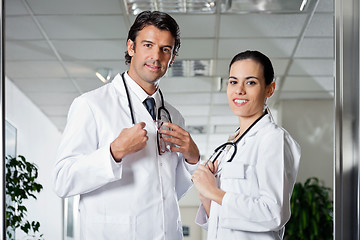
260	124
140	93
135	88
139	109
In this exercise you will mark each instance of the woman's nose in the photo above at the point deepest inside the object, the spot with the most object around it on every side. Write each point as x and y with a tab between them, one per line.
240	89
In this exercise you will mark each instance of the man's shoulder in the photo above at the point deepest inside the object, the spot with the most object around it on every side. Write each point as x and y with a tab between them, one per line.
97	97
172	109
99	93
176	116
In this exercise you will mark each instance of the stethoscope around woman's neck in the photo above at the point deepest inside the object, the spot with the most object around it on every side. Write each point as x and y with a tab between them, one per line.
129	100
248	129
233	144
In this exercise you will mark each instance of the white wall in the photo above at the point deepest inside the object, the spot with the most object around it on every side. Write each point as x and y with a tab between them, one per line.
311	123
37	140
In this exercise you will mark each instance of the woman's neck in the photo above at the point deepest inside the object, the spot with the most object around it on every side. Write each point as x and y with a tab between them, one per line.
245	122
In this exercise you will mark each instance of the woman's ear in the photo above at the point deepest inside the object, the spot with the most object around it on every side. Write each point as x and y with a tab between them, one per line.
270	89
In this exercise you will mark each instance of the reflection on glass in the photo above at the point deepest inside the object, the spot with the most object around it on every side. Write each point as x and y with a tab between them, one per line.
10	150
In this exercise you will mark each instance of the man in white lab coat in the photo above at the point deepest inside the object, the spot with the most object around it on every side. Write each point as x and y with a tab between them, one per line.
129	175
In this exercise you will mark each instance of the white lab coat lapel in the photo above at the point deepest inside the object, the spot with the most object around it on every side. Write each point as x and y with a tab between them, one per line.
252	132
139	110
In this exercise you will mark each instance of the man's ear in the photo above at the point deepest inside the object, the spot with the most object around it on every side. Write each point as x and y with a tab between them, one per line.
172	60
270	89
130	47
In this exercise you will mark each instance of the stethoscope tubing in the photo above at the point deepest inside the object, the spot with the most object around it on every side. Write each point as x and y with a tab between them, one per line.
130	105
234	144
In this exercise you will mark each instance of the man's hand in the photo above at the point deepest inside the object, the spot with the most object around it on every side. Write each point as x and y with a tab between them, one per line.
130	140
183	141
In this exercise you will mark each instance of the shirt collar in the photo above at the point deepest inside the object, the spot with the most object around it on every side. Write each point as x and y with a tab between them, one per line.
139	92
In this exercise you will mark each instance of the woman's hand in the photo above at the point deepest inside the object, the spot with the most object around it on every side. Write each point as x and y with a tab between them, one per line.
205	183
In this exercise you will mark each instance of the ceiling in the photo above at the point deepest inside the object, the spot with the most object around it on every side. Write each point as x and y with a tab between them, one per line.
53	49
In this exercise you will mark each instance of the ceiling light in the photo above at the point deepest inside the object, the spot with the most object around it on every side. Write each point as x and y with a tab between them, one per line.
171	6
191	68
303	5
104	74
269	6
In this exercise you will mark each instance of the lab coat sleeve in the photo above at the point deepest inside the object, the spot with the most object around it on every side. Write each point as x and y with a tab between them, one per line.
81	166
184	171
276	168
201	218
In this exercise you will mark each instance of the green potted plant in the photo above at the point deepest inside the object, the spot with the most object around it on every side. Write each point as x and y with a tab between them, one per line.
20	180
311	212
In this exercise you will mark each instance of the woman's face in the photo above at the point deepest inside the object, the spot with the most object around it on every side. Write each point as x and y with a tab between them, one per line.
246	89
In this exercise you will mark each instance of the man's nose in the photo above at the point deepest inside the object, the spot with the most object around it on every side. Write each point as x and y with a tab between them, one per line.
155	54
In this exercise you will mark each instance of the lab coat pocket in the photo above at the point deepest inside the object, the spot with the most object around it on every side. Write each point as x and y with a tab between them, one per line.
233	170
235	177
111	227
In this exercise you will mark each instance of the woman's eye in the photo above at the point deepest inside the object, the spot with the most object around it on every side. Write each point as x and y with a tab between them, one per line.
250	82
232	82
147	45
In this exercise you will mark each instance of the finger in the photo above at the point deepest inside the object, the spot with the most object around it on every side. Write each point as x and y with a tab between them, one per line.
141	124
171	133
211	167
145	139
177	149
216	166
174	127
175	141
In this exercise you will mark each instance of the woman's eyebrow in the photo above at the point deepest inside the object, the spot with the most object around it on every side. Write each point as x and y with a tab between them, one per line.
250	77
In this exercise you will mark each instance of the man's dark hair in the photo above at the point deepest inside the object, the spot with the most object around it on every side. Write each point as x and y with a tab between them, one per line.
161	20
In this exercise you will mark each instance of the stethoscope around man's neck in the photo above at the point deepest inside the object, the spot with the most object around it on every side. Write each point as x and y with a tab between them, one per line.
130	105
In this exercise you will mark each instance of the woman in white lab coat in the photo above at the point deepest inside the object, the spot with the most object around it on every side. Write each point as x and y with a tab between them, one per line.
245	187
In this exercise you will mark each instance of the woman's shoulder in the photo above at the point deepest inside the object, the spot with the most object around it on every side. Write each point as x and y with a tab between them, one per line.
273	129
273	133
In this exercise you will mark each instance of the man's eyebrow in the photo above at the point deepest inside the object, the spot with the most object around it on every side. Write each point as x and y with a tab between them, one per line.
148	41
232	77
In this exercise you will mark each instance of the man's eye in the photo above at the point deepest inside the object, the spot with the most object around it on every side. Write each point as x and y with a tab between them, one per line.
250	82
167	50
147	45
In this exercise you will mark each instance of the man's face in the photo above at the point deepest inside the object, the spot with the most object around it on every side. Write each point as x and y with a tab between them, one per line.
152	53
